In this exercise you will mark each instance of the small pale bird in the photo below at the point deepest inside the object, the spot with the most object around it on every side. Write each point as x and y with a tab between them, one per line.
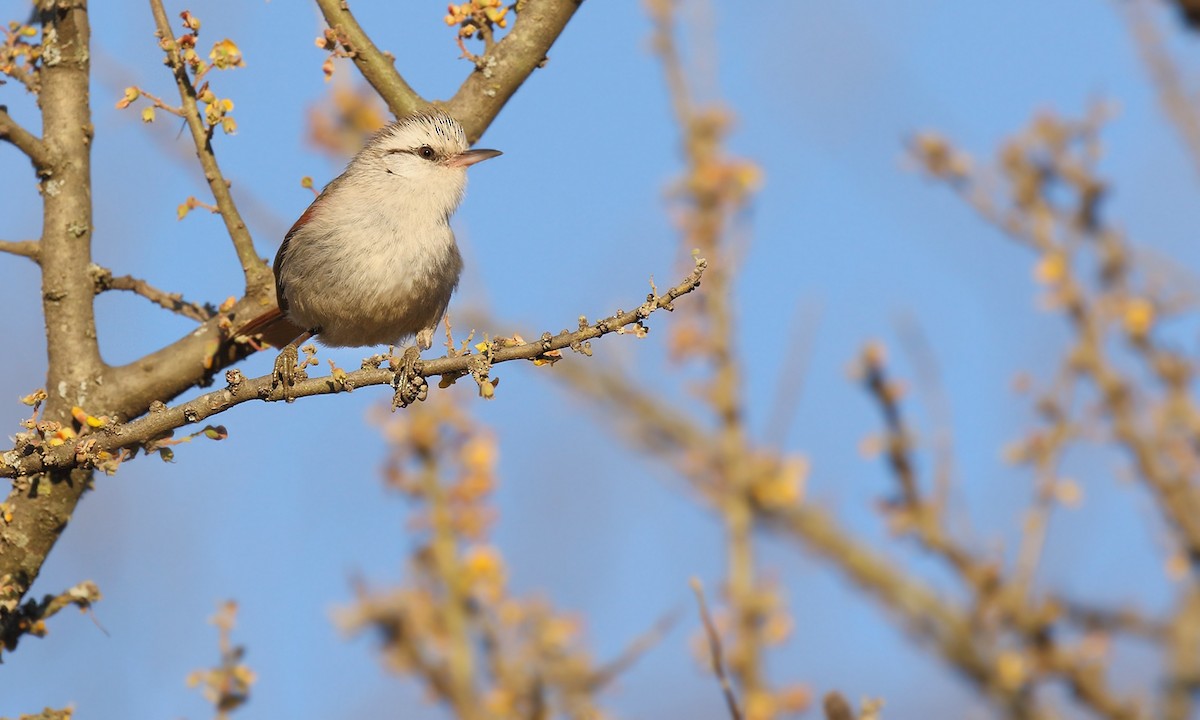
373	260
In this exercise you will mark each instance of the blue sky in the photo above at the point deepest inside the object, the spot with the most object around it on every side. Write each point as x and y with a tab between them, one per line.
570	221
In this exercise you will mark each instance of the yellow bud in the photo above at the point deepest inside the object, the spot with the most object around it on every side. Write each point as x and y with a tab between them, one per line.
1051	269
1138	317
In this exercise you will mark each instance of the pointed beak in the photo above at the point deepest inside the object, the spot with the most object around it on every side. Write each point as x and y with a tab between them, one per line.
470	157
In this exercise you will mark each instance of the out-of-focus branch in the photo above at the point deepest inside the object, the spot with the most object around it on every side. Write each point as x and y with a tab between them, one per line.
257	274
455	606
709	202
715	652
837	707
990	587
1177	102
50	714
1050	155
25	141
953	632
24	248
174	302
377	67
1189	10
31	456
226	686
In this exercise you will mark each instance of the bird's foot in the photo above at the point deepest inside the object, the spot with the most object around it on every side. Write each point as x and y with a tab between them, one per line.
287	371
410	385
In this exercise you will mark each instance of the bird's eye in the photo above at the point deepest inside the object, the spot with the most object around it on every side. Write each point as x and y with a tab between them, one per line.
426	152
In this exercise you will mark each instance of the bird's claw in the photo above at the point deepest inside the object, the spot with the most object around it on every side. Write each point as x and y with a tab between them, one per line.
410	385
287	371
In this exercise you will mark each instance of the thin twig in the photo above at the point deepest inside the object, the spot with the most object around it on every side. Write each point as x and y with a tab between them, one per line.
29	618
25	248
378	68
631	654
715	653
105	280
256	272
25	141
1181	109
103	444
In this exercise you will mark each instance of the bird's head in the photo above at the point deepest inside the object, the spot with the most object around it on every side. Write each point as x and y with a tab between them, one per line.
425	156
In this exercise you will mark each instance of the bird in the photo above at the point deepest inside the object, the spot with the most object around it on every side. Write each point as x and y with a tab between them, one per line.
373	260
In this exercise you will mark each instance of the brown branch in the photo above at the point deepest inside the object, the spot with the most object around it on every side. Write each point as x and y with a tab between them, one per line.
75	373
454	609
105	280
102	445
1183	657
714	651
837	707
25	141
604	675
505	67
1164	73
378	68
257	274
25	248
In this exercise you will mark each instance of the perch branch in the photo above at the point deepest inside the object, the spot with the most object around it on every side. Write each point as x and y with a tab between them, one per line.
104	443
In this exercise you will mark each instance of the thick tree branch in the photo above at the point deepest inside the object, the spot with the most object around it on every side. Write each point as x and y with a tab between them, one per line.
174	302
506	67
38	508
25	248
25	141
101	446
378	68
257	273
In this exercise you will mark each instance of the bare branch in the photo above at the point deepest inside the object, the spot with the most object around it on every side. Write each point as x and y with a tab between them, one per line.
174	302
1173	94
102	446
377	67
25	141
25	248
35	516
631	654
257	273
715	653
506	67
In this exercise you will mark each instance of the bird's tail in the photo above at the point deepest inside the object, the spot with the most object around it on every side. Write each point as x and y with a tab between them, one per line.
272	328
